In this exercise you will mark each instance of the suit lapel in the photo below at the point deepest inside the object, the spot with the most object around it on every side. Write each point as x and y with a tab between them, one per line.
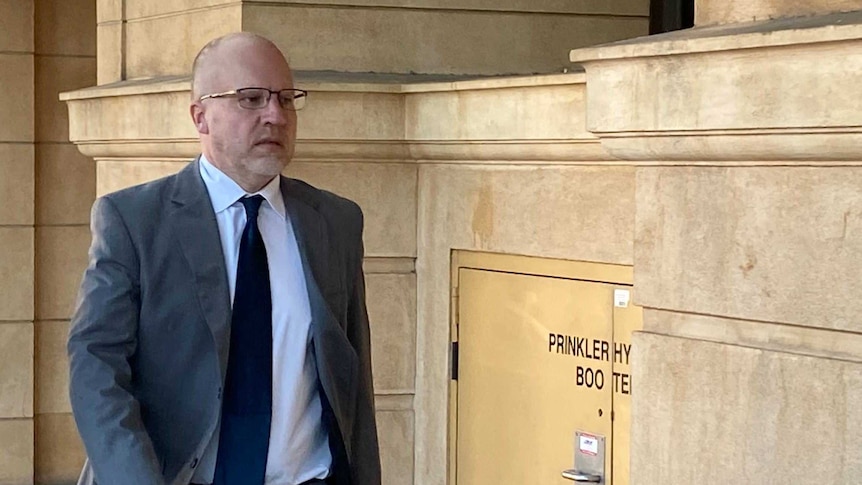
194	224
334	355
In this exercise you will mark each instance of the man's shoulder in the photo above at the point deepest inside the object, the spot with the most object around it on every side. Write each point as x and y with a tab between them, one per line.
145	194
329	204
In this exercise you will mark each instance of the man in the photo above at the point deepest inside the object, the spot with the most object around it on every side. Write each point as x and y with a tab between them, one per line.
221	335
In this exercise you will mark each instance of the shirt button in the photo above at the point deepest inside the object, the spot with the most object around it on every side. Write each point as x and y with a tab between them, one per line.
219	392
194	462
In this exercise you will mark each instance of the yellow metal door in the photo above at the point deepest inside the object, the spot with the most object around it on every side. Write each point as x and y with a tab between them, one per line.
535	364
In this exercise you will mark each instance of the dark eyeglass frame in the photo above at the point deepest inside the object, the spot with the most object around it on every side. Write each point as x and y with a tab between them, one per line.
287	98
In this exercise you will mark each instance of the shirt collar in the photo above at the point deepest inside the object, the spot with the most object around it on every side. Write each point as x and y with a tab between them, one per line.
224	192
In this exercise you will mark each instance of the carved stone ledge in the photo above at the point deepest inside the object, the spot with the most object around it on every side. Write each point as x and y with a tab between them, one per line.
784	90
360	117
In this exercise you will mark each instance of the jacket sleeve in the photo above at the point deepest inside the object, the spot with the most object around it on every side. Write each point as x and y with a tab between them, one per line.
364	439
102	341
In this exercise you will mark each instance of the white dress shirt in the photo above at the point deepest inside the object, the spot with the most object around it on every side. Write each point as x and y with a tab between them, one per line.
298	442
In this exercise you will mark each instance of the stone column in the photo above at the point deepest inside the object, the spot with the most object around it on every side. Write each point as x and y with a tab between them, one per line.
65	46
748	240
17	217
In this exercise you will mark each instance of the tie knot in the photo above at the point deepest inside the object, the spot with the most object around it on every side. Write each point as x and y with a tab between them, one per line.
252	205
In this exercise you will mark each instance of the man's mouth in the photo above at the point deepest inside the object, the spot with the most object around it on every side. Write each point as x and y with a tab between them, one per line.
269	142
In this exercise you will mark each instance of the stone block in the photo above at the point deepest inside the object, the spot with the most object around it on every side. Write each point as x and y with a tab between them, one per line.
578	213
167	45
16	274
386	192
52	368
66	28
163	116
66	185
60	454
554	111
109	10
391	300
116	175
16	76
16	451
709	12
351	116
768	91
16	25
432	40
767	244
395	430
140	9
16	370
16	184
109	57
712	413
62	255
53	76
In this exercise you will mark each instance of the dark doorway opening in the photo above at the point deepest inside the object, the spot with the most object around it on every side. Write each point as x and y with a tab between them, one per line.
668	15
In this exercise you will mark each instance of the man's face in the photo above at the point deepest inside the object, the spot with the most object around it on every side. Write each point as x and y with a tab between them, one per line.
247	144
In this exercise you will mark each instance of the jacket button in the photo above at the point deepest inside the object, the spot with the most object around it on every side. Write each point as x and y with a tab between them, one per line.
194	462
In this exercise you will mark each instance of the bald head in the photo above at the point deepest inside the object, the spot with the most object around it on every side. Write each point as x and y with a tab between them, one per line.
249	144
222	53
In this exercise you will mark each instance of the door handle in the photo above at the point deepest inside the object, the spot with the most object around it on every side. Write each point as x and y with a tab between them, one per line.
580	477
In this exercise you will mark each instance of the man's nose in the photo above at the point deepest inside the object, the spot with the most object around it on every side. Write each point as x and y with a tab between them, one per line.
273	113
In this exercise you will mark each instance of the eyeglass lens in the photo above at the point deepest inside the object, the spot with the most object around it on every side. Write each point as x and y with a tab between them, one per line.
256	98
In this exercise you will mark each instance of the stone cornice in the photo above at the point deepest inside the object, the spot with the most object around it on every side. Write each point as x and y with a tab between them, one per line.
783	90
361	117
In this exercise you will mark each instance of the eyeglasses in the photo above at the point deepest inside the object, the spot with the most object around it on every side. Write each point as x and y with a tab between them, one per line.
257	98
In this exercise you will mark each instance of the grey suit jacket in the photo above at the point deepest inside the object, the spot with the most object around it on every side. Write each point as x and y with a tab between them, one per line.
149	339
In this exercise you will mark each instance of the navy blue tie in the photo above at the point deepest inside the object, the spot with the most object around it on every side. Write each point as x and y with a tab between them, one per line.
247	405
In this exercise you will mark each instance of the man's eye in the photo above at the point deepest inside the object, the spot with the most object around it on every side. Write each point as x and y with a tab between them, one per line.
253	98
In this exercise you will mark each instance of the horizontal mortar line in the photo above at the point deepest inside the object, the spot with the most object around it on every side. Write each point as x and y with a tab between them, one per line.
333	161
394	404
367	141
770	345
53	143
14	142
77	224
448	9
16	53
63	56
53	320
789	130
538	163
643	163
747	164
752	320
16	322
776	349
389	265
383	7
395	392
180	13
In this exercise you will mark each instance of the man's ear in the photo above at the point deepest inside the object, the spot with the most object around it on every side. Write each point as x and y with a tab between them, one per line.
198	118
